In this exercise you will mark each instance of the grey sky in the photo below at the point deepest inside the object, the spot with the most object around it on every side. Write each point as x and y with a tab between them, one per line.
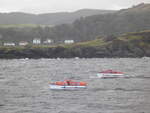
45	6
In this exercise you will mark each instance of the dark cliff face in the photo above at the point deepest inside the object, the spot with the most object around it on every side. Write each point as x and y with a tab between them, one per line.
129	45
88	52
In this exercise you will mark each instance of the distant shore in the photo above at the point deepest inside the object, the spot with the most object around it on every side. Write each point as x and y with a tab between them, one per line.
129	45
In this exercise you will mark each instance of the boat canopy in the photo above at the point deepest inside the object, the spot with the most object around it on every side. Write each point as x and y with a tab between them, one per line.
70	83
111	71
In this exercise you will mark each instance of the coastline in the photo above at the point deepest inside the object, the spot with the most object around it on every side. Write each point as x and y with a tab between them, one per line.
131	45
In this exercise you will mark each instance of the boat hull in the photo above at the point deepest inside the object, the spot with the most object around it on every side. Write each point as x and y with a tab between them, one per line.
110	75
59	87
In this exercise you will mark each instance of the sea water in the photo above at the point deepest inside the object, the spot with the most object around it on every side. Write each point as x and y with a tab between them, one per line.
24	86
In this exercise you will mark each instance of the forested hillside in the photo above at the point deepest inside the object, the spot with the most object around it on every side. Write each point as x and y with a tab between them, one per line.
109	25
133	19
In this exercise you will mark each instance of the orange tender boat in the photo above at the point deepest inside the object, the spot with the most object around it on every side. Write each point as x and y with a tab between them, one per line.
67	84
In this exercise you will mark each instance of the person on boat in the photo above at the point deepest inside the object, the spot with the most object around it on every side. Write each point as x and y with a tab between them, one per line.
68	82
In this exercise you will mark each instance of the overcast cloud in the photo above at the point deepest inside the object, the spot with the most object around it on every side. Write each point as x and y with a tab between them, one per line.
46	6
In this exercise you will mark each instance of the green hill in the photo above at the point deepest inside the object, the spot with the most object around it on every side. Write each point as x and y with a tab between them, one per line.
134	19
51	19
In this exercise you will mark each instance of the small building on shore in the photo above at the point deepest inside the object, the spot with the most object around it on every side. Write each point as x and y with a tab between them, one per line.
36	41
9	44
69	41
23	43
48	41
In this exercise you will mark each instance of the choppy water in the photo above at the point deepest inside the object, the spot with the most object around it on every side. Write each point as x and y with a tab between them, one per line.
24	86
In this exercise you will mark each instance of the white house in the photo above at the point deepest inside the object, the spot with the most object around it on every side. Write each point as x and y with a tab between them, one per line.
69	41
23	43
36	41
9	44
48	41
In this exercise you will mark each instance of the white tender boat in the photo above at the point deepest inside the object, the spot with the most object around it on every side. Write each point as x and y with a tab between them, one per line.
111	74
